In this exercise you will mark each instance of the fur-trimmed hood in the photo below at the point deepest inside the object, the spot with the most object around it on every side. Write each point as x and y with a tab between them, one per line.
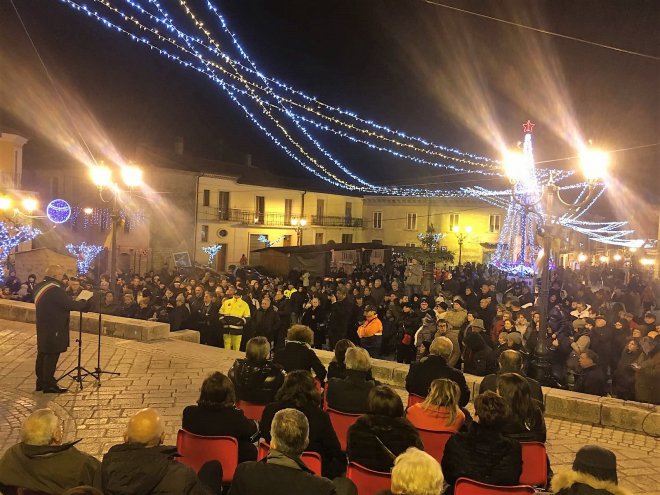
563	480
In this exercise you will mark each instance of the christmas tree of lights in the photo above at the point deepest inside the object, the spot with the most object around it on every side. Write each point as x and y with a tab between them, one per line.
85	254
212	251
516	248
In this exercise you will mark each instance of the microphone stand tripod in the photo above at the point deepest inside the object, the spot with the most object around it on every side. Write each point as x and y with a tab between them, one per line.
78	373
98	371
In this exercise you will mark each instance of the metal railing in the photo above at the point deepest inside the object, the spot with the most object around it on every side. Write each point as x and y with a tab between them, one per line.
330	221
245	217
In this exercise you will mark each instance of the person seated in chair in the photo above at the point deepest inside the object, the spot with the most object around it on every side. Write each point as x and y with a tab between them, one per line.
351	394
376	438
415	473
283	472
215	415
483	453
41	462
298	354
299	392
142	464
256	378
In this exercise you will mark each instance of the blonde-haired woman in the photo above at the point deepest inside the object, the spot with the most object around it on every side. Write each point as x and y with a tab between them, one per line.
439	411
416	473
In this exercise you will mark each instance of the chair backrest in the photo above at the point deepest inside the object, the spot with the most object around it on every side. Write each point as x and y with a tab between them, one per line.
196	450
465	486
251	411
534	464
434	442
311	459
341	422
368	482
414	399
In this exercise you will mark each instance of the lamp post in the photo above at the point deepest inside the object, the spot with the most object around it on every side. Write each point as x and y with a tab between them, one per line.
594	164
299	224
101	176
461	238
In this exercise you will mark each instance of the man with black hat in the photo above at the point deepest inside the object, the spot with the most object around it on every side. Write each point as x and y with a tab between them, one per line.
593	472
53	306
601	336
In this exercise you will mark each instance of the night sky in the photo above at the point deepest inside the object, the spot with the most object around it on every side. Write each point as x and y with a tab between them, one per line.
456	79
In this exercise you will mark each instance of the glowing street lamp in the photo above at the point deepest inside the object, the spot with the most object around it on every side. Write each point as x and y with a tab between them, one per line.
594	163
617	257
299	224
5	203
29	205
461	238
582	257
101	176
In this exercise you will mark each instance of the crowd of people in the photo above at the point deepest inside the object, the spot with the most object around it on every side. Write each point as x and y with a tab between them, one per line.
296	398
471	320
600	340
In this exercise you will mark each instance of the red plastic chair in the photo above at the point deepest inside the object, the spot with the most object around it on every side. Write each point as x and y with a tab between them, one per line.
414	399
341	422
434	442
465	486
368	482
196	450
251	411
534	464
311	459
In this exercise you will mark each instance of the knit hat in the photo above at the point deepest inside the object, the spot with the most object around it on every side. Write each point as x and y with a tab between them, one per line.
596	461
459	302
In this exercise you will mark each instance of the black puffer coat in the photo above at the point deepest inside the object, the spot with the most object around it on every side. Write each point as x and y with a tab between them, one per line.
482	454
256	382
128	470
370	438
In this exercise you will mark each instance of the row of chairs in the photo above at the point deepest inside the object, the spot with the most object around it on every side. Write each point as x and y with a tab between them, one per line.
534	454
197	450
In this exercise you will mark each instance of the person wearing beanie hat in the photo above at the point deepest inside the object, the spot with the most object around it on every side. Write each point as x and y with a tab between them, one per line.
593	473
456	315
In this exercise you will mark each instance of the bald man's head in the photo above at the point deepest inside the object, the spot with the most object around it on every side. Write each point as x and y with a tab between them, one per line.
145	428
55	271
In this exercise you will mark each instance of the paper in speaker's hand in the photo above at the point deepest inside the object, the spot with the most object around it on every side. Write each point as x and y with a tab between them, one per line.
84	295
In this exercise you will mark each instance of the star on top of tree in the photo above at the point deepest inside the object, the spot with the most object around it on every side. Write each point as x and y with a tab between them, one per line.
528	126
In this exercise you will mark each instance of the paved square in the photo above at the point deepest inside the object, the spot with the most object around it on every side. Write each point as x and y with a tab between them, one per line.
167	375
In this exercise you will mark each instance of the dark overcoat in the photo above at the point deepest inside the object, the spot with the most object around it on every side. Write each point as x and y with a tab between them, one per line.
53	306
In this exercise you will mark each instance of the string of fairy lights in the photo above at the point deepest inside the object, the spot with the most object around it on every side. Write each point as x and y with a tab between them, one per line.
288	116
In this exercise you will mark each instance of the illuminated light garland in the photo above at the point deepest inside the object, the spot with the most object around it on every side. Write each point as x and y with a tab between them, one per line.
85	254
212	251
215	50
315	167
101	217
11	236
264	239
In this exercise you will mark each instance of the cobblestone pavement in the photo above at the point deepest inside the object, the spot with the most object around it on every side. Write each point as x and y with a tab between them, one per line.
167	375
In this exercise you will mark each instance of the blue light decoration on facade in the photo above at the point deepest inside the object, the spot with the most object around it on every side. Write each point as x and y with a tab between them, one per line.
58	211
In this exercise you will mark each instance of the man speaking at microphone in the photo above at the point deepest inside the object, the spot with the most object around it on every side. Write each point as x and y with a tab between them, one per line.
53	306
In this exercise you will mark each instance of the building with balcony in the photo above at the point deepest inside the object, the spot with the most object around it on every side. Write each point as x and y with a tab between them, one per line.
397	221
244	215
